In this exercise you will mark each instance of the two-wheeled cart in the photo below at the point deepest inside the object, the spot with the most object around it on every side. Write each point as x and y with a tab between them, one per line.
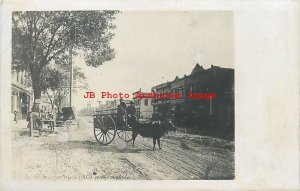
107	125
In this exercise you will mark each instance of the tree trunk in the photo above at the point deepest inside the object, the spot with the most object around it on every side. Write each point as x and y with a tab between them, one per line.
37	89
59	104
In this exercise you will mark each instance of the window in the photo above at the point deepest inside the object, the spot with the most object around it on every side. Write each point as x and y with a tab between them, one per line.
181	92
146	102
21	77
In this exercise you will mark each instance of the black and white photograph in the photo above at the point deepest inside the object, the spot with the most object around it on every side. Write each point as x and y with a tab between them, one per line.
140	95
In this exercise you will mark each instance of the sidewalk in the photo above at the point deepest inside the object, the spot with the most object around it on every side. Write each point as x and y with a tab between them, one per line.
60	134
22	123
196	131
20	129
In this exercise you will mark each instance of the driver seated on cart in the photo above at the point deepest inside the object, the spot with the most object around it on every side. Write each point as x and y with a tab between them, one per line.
131	114
122	108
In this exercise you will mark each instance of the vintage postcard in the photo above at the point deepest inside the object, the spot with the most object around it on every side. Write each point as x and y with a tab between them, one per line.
149	96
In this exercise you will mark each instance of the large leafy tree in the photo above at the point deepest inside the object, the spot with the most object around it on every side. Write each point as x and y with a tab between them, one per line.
39	38
55	82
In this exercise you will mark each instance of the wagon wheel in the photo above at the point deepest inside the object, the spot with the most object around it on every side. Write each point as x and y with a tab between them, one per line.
104	129
125	134
68	123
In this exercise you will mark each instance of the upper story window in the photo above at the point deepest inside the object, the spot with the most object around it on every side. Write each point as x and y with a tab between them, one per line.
22	77
13	76
17	76
180	92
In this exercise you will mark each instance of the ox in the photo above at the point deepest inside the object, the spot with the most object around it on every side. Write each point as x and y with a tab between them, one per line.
155	130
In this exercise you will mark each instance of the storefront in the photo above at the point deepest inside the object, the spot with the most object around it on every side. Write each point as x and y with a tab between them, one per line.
20	101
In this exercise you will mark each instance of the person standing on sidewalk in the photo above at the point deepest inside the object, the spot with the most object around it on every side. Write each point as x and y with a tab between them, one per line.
15	116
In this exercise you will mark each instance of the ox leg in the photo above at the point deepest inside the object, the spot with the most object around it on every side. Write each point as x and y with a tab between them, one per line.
154	142
134	135
158	142
52	127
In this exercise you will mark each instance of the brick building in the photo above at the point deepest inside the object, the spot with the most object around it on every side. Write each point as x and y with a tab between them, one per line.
162	106
200	113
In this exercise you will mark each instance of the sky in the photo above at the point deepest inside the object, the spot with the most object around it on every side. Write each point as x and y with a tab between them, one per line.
153	47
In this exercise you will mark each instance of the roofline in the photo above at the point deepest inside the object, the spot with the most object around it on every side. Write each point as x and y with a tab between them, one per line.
186	76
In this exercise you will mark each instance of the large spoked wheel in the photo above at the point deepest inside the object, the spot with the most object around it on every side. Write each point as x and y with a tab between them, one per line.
125	134
104	129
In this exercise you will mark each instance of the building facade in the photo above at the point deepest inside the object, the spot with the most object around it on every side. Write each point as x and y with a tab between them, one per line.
144	108
200	113
161	106
21	94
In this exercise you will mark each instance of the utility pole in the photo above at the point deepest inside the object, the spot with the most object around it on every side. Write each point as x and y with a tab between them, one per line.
71	75
88	108
71	64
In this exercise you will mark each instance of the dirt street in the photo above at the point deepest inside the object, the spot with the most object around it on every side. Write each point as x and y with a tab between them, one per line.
73	154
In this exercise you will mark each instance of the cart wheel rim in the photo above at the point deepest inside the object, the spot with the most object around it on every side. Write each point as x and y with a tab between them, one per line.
104	129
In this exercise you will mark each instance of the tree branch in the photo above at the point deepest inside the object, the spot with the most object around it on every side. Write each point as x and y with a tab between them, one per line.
58	40
50	43
58	52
